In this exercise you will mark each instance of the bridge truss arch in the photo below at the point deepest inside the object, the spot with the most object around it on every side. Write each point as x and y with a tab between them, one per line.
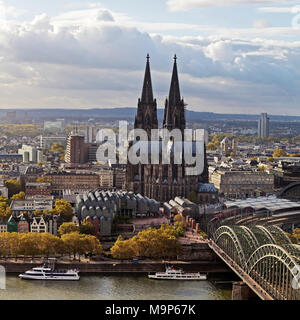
226	237
277	269
266	254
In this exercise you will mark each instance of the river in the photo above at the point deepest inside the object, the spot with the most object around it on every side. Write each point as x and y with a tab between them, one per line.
114	287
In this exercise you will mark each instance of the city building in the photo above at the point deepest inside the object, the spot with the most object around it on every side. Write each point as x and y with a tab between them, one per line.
53	126
38	225
31	154
11	158
70	195
47	142
23	224
92	151
119	178
286	172
263	126
38	188
90	133
76	150
106	179
207	194
75	181
3	189
3	226
30	205
100	207
228	146
31	173
162	181
242	183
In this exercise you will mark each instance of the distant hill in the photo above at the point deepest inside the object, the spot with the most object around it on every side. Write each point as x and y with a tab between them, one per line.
129	113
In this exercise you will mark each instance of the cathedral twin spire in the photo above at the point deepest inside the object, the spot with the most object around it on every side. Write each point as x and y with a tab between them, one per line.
174	116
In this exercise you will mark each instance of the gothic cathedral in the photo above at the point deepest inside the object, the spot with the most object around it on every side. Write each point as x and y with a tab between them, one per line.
162	182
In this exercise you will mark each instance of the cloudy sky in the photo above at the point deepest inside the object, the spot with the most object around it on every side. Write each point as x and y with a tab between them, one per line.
234	56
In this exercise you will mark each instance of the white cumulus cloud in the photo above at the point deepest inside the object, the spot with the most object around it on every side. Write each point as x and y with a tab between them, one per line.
95	58
182	5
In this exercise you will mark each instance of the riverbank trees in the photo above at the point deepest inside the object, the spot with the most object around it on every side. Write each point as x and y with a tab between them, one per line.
149	243
45	244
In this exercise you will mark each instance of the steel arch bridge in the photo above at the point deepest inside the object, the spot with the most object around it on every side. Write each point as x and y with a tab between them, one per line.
266	256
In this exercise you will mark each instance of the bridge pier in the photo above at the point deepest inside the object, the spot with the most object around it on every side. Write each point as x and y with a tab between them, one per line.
240	291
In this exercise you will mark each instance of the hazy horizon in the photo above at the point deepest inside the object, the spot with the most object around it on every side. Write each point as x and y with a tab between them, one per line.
234	56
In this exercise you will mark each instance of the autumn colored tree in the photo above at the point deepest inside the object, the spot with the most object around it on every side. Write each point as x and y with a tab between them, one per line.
125	249
76	243
51	212
18	196
43	179
149	243
262	168
49	244
4	245
296	234
57	148
14	187
67	227
38	213
13	242
92	245
179	222
86	228
292	238
279	153
5	211
29	244
64	209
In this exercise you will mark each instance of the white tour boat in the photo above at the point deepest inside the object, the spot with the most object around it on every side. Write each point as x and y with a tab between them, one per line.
50	273
172	273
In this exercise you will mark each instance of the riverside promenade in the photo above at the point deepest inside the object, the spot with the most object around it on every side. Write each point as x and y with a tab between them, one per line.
196	256
116	266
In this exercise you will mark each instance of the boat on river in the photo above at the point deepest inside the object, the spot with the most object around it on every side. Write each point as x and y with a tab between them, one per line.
172	273
48	272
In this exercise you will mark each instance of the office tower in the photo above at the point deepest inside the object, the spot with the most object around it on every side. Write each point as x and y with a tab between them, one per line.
76	150
263	126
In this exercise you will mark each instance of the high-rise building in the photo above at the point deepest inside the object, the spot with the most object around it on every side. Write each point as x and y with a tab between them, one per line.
90	133
263	126
76	149
30	154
